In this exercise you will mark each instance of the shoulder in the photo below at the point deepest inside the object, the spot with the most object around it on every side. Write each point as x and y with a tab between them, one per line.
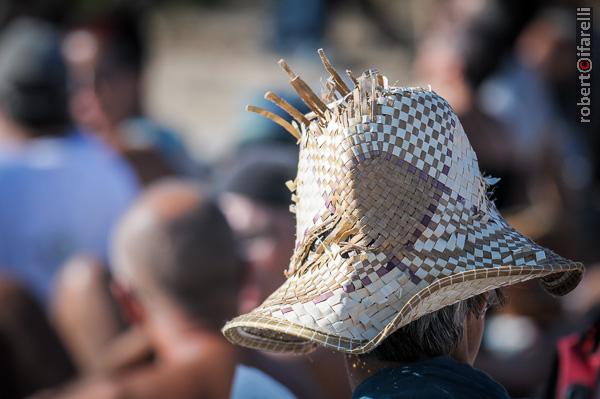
400	383
107	166
15	168
438	378
250	383
144	131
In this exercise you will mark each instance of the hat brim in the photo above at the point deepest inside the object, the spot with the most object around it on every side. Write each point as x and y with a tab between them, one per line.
316	308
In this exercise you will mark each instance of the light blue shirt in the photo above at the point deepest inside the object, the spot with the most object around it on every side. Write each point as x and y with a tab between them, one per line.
58	197
251	383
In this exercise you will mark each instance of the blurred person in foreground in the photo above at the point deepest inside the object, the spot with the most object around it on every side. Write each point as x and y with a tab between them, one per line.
86	315
107	59
177	274
255	200
31	354
399	249
60	190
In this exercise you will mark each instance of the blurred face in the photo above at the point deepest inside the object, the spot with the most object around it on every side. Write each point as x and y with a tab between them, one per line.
437	63
80	48
117	90
102	95
267	238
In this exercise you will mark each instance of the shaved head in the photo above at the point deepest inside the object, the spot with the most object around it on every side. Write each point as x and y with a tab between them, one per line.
175	243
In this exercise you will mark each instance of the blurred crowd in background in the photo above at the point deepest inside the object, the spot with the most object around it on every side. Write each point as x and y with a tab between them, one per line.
140	208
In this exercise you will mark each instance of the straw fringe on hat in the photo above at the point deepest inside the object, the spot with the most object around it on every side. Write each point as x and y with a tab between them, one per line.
393	221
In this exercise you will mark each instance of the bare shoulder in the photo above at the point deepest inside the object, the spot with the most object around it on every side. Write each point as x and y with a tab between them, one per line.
207	375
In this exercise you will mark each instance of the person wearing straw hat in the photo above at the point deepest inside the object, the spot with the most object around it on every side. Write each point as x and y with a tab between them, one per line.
399	250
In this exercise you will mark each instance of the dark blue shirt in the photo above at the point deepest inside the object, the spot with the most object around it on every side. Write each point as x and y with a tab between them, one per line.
440	377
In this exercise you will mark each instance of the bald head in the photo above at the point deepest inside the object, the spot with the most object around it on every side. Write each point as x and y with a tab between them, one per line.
174	243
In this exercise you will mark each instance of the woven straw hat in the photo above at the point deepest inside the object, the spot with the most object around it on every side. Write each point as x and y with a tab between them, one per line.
393	221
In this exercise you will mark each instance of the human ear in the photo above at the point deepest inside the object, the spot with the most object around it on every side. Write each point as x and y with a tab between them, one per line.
132	309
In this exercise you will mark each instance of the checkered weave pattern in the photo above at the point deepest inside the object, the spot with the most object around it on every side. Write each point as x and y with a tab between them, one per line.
393	222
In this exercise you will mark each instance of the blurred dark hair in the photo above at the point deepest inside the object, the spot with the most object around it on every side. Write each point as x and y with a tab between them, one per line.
202	270
33	77
490	36
185	253
260	173
31	355
124	46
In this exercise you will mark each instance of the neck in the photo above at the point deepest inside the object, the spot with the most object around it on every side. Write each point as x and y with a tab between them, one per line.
14	134
176	338
360	368
10	132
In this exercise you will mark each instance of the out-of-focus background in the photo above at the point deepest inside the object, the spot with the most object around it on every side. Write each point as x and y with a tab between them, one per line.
120	120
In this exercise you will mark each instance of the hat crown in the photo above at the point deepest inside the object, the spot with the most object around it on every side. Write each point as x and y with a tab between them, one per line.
353	158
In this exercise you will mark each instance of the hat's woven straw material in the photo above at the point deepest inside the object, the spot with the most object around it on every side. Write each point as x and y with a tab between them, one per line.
393	222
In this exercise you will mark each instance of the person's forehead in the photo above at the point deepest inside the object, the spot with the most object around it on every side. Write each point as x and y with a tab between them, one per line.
245	214
170	200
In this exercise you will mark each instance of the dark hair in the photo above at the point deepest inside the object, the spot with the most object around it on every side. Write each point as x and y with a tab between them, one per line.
33	77
32	357
124	46
260	174
202	270
432	335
